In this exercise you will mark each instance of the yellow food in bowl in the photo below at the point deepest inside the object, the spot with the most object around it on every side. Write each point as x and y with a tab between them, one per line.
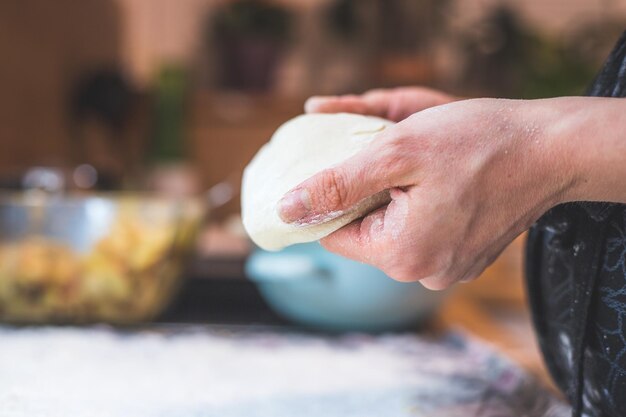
127	276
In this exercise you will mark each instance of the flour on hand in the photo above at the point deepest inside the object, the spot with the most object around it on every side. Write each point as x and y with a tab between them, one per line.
299	149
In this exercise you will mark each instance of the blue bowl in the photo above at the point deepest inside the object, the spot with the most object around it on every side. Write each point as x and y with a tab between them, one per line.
311	286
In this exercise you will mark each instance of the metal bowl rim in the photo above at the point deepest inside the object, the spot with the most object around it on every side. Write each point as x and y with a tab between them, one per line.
37	199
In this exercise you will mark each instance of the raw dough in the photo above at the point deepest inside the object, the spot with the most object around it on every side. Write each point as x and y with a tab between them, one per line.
299	149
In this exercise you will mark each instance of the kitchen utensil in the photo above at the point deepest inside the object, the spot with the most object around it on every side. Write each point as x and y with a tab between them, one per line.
311	286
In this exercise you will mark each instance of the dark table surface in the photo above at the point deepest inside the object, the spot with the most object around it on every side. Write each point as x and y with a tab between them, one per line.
217	291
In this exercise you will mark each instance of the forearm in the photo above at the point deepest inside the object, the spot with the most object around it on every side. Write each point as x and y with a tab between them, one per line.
591	134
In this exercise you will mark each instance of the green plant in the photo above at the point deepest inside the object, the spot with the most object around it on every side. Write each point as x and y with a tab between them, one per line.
252	18
509	58
554	69
168	125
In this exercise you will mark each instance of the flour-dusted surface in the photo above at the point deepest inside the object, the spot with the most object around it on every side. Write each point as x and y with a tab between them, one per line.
199	372
299	149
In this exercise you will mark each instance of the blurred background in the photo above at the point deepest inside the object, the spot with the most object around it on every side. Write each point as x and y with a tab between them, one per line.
205	82
177	96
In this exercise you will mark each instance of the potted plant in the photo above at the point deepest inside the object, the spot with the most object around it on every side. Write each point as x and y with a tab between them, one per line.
249	37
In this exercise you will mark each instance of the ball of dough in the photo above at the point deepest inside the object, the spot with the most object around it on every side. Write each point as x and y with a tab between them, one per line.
299	149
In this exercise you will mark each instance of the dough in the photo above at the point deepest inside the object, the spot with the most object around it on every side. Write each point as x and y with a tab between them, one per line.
299	149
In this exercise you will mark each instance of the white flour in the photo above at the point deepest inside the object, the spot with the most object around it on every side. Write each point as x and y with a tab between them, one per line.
67	372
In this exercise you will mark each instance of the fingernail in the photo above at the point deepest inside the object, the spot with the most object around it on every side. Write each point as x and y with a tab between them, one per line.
294	205
312	104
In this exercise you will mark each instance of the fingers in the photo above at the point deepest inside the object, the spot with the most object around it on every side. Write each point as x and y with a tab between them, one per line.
393	104
375	105
383	238
360	239
390	161
398	240
329	193
335	190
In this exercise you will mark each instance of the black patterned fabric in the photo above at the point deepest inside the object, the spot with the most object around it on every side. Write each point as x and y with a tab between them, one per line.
576	276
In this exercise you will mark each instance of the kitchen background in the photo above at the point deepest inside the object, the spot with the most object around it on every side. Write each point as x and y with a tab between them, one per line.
205	83
177	96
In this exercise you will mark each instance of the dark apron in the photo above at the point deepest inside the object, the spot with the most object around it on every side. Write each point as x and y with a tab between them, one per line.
576	276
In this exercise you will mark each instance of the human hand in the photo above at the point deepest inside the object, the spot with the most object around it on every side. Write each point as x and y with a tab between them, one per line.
465	179
394	104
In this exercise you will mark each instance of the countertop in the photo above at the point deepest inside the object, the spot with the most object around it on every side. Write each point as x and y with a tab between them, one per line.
493	308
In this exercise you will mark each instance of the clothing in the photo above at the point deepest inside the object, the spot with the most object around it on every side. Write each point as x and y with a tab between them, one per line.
576	277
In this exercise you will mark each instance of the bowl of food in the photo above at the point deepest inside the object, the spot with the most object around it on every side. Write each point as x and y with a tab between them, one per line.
102	257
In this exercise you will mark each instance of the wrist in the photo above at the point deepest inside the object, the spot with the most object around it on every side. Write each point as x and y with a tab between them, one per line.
561	121
589	135
548	155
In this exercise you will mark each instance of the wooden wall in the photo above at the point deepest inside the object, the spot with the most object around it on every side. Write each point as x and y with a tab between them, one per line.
44	46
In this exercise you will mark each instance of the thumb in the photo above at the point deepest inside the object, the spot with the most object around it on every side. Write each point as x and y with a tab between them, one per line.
335	190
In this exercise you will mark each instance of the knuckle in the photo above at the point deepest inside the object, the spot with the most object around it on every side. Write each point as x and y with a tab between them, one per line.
426	269
442	277
334	190
400	142
412	271
402	275
391	154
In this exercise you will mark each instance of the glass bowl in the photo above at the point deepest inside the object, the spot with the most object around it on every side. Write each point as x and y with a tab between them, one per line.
103	257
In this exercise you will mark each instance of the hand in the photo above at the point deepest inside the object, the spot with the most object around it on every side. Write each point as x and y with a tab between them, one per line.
393	104
465	179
